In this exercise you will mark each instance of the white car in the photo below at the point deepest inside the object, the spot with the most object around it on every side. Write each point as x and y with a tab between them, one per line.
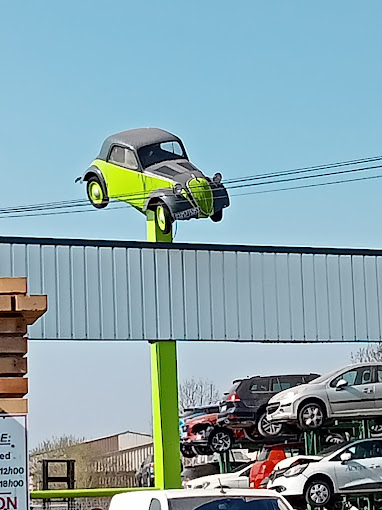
237	479
354	467
350	392
178	499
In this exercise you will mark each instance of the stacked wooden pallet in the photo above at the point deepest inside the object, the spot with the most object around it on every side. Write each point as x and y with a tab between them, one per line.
17	311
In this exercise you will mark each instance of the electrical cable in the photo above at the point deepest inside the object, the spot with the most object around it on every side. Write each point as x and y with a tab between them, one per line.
138	195
69	206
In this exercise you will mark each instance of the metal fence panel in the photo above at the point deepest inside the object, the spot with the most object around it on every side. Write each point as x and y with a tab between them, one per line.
114	290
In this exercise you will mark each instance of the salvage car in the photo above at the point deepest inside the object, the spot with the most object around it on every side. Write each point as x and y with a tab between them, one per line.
351	392
246	403
201	435
149	169
350	468
268	458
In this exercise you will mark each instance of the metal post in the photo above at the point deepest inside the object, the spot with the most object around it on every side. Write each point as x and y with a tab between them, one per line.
164	382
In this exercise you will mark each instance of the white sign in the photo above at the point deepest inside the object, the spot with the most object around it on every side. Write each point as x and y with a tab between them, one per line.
13	463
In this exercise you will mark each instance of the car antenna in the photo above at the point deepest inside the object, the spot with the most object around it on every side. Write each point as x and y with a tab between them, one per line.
221	487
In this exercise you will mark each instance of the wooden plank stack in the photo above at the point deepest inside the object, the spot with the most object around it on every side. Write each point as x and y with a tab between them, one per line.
17	311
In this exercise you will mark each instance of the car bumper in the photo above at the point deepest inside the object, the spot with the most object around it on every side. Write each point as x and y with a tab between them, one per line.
284	412
288	486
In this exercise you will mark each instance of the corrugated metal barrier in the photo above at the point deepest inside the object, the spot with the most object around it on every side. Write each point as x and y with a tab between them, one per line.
114	290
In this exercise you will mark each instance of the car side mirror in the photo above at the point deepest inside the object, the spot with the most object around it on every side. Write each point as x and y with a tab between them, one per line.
341	384
345	457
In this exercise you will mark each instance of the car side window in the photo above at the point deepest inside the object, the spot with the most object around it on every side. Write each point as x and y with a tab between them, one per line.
350	377
259	385
284	383
155	504
122	156
366	450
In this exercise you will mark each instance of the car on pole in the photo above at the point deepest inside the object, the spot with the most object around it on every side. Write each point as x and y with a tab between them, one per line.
149	169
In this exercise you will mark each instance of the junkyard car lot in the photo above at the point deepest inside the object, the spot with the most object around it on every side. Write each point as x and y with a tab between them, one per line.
241	416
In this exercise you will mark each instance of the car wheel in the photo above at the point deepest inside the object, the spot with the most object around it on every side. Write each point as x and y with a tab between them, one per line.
376	430
96	193
163	218
218	216
318	492
311	416
202	450
187	451
267	428
220	440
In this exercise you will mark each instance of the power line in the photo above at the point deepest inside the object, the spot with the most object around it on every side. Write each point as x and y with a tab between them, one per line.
80	205
139	195
307	186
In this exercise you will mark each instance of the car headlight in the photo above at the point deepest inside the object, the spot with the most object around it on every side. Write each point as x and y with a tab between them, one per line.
205	485
217	178
295	470
177	189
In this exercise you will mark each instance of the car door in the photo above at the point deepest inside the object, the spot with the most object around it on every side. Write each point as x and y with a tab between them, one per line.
355	398
124	178
364	470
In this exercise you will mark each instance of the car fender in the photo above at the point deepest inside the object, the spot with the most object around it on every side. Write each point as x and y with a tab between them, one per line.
220	196
310	398
320	474
167	196
94	171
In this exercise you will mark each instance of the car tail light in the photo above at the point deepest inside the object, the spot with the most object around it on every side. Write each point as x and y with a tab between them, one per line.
234	397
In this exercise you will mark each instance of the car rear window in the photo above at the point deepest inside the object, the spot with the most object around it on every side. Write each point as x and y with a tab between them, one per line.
234	388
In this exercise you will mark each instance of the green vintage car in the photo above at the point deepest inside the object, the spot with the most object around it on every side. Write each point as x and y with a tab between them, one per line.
149	169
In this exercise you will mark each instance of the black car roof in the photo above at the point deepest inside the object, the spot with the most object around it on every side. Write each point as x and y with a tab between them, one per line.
137	138
263	377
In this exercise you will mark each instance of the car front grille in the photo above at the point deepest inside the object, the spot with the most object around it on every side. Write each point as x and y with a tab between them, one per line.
201	191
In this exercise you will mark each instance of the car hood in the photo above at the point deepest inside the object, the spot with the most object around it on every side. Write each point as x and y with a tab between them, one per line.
211	478
284	464
178	171
291	392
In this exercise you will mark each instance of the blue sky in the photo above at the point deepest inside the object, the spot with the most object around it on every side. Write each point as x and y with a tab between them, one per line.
250	87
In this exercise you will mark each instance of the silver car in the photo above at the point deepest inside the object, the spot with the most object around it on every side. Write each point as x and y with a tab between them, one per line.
350	392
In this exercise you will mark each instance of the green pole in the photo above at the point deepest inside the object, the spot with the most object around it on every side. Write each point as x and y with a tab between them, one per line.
164	383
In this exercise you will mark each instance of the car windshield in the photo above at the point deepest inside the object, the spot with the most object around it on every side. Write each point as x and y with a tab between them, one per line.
241	466
159	152
332	449
225	503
